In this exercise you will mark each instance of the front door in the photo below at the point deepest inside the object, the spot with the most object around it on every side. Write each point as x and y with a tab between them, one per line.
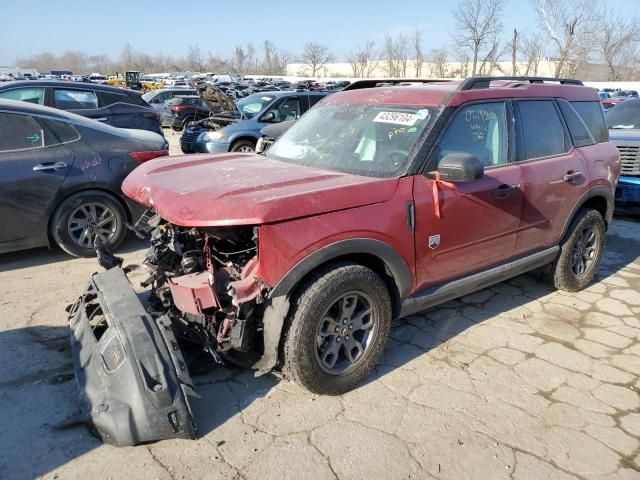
472	225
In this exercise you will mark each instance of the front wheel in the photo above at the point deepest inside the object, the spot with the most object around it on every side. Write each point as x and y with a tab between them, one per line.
580	252
82	217
337	328
244	146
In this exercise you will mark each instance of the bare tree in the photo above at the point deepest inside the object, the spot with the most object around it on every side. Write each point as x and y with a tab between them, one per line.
572	26
275	61
126	57
532	49
195	59
438	66
619	43
417	50
514	52
315	56
362	60
478	29
395	55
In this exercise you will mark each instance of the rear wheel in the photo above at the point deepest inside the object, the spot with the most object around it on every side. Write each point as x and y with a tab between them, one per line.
244	146
580	252
337	328
84	216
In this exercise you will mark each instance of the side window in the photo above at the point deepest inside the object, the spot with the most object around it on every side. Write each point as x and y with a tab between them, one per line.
64	132
21	132
541	130
109	98
579	132
480	130
593	116
289	109
74	99
313	99
31	95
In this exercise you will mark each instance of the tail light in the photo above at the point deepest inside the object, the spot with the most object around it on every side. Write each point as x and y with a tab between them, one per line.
148	155
178	108
151	115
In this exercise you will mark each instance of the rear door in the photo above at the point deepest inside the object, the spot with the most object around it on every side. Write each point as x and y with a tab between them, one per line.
80	101
473	225
553	173
33	165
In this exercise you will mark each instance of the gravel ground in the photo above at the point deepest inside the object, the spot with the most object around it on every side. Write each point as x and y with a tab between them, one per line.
515	381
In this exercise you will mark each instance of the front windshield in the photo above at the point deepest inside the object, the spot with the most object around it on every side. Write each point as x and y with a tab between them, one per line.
253	104
148	96
625	115
371	140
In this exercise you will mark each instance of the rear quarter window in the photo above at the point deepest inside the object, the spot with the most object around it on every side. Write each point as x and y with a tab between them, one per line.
109	98
593	116
580	133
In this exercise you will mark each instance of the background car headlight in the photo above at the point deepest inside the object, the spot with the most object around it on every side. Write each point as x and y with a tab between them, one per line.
209	136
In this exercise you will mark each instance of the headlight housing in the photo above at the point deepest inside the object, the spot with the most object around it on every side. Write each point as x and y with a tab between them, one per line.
213	136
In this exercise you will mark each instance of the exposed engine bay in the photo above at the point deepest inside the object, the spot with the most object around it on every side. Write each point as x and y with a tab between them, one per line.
202	277
133	359
223	109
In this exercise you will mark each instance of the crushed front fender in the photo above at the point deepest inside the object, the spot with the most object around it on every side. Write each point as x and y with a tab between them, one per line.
132	377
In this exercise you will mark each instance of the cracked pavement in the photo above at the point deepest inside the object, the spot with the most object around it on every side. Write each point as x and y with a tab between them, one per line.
516	381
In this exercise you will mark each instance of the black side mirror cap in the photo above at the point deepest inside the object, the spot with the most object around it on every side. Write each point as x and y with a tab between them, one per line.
268	117
460	167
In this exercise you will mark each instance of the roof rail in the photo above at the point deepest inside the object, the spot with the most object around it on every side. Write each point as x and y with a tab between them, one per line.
385	82
473	83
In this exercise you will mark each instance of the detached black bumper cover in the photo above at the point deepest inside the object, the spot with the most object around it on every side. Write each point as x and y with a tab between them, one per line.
132	376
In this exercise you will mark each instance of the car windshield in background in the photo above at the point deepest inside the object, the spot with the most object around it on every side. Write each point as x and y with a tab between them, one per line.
253	104
369	140
625	115
148	96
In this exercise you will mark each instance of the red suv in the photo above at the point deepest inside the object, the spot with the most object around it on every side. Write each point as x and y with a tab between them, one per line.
378	203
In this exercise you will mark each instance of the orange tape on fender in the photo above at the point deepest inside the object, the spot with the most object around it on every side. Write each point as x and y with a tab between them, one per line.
437	185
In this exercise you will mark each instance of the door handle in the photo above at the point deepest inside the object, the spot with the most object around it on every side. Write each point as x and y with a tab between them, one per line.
101	119
504	190
49	166
572	176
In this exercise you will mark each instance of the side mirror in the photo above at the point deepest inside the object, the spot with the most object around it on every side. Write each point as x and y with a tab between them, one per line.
268	117
460	167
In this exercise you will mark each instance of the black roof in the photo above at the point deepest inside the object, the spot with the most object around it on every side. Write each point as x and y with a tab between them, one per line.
64	84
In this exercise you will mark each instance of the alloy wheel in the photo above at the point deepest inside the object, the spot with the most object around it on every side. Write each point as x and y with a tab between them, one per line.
91	220
585	251
345	333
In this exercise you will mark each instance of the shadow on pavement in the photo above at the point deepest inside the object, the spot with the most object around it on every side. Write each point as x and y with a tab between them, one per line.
37	387
43	255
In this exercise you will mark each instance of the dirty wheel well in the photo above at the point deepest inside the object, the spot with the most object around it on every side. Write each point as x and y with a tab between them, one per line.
599	204
369	261
244	139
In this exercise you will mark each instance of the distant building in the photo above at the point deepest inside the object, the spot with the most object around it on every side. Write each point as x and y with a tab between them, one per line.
377	69
18	73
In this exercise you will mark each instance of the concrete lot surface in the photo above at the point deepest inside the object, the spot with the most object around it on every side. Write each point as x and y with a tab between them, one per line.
516	381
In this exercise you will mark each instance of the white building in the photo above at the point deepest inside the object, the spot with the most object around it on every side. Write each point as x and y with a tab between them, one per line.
18	73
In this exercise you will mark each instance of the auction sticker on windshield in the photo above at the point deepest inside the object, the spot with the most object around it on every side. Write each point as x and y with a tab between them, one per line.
398	118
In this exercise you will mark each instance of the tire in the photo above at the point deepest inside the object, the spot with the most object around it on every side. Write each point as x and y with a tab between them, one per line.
244	146
310	337
567	274
82	205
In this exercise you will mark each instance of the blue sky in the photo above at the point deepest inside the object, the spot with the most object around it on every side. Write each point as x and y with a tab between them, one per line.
28	27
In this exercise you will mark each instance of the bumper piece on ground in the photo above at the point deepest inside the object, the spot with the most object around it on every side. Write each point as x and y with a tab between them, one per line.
132	376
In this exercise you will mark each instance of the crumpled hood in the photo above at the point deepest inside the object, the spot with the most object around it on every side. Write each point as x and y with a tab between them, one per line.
246	189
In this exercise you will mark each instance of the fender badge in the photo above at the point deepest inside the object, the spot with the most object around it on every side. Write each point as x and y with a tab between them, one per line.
434	241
